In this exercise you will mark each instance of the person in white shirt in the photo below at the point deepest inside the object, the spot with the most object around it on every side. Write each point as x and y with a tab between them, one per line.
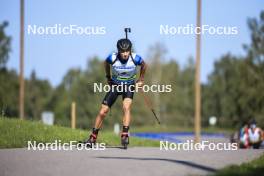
255	135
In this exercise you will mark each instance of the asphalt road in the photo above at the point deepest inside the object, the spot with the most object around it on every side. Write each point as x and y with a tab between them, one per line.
115	161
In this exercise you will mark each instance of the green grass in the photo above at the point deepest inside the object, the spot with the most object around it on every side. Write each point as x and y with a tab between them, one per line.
15	133
255	167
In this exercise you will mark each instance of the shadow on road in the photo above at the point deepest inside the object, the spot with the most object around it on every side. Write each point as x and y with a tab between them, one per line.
187	163
117	147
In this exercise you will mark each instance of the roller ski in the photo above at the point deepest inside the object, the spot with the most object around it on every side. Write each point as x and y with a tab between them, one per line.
91	141
124	140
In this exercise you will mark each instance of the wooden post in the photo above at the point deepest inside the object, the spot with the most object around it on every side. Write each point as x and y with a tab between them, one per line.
21	65
73	115
197	120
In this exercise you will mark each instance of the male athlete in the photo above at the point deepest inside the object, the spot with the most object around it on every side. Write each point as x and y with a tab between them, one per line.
120	69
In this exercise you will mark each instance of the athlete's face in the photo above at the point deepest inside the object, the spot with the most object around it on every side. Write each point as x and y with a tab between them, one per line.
124	54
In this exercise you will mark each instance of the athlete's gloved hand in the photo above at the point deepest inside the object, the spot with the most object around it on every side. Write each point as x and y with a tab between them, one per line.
109	81
140	83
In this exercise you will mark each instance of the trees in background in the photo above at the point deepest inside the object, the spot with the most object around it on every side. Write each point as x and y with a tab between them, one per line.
8	79
234	91
5	45
38	92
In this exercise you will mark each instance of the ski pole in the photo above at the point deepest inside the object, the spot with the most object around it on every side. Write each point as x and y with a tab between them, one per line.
149	105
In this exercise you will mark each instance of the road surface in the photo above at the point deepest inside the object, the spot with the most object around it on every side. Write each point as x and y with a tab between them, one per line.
114	161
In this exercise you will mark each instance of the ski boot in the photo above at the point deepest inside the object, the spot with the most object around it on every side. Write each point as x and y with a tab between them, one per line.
124	140
90	142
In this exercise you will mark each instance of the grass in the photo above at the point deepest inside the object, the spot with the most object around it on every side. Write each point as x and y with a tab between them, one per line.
255	167
15	133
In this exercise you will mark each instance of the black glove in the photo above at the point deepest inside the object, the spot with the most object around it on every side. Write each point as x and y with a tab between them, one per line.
109	80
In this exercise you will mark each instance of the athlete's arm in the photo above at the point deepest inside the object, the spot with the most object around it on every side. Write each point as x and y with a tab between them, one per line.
107	72
107	69
143	68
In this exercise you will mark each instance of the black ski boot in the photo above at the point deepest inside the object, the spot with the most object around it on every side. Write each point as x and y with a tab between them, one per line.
124	140
91	141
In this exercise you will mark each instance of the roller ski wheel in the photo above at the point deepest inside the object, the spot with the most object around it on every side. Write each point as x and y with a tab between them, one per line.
124	140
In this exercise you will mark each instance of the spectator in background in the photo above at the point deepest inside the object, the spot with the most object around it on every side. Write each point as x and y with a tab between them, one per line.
255	135
244	136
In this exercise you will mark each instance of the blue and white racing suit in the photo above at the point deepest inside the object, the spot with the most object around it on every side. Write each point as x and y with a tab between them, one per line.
124	72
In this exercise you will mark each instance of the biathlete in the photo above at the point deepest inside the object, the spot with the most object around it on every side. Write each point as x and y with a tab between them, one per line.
120	69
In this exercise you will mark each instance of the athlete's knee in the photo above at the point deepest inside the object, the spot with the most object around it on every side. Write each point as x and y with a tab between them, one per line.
126	107
103	111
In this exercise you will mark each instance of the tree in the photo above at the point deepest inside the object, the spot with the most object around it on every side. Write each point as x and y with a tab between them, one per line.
5	42
38	94
234	92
